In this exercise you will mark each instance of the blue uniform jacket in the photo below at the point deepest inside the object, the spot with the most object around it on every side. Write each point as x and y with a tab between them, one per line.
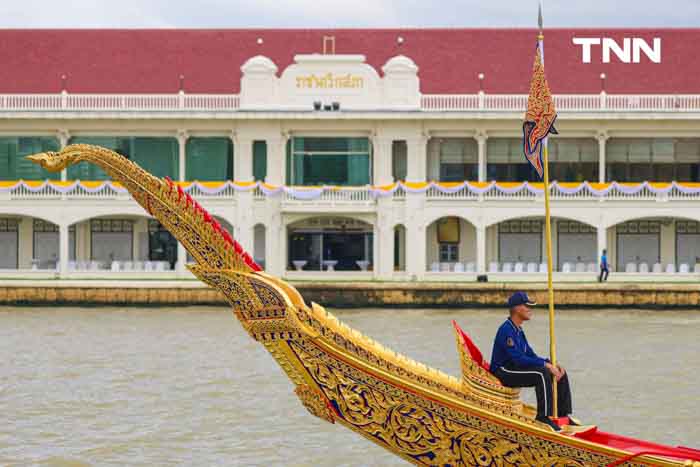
511	349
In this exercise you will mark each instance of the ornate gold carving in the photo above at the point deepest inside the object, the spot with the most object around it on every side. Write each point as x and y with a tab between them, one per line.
483	385
425	432
388	398
173	208
315	402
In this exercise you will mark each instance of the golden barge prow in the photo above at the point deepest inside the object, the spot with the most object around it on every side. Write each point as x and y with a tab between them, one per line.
421	414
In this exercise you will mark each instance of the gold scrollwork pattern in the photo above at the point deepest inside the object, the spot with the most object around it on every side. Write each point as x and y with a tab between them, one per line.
315	402
409	423
405	424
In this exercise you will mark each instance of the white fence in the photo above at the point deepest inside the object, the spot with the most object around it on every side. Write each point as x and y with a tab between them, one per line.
429	102
563	102
332	196
368	195
119	102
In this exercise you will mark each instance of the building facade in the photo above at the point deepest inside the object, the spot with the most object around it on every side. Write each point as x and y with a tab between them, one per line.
381	154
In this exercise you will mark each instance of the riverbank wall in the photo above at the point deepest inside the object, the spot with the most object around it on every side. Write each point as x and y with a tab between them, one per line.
354	294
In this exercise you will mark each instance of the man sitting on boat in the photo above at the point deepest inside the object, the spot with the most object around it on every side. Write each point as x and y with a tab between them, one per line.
516	365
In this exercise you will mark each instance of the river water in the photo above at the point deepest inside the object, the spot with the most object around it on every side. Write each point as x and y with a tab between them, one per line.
133	386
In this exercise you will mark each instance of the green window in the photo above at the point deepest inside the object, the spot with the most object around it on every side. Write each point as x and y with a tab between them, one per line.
653	159
209	159
14	166
157	155
330	161
259	160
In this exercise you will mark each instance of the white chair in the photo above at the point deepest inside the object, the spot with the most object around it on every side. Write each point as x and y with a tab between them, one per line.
116	266
95	265
470	266
592	267
138	266
299	264
631	267
71	265
149	266
580	267
531	267
444	267
128	265
670	268
644	268
161	266
697	268
566	267
363	264
684	268
657	268
493	266
507	267
519	267
459	267
543	267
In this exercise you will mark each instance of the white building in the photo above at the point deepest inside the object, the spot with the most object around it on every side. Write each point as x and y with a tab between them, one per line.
398	159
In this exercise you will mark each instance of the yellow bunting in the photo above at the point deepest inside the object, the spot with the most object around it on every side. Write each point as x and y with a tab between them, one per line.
211	185
415	185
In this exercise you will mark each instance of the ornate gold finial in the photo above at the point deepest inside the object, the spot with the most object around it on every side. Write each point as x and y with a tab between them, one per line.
49	160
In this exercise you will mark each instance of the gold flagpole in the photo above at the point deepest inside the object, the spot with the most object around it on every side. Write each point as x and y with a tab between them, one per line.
548	235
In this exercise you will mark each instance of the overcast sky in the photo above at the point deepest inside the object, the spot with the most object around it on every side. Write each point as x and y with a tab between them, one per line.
345	13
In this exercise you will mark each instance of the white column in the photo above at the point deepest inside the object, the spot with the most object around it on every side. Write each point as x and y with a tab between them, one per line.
481	138
602	138
381	160
277	160
384	241
481	249
275	257
415	258
417	156
182	147
415	236
63	138
180	268
602	234
243	161
63	250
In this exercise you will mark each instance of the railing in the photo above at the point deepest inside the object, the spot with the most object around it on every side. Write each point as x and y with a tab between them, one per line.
564	102
300	195
119	102
428	102
434	193
333	196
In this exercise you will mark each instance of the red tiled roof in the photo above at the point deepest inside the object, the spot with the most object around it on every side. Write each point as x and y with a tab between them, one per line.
449	60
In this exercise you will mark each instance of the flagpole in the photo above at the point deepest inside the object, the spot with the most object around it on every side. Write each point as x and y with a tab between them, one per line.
548	235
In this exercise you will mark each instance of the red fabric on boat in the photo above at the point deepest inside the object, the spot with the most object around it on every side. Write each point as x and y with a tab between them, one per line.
471	347
636	446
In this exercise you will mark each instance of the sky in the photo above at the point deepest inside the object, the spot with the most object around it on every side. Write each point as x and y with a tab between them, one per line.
345	13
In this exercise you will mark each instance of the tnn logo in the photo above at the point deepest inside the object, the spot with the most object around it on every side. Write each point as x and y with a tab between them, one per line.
630	52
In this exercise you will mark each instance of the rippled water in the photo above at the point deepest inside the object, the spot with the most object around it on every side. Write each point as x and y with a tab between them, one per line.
187	386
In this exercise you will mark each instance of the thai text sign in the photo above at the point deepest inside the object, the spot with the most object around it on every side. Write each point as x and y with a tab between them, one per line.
330	81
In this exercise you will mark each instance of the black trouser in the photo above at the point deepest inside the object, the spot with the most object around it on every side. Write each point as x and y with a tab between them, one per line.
603	269
541	379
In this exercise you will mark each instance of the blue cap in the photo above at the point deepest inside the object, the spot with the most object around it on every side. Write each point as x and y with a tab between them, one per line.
520	298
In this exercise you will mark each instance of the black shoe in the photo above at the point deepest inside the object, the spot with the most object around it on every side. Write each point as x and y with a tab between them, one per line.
547	421
573	421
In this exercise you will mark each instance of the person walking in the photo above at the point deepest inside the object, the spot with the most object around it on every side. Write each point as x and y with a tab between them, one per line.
604	266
